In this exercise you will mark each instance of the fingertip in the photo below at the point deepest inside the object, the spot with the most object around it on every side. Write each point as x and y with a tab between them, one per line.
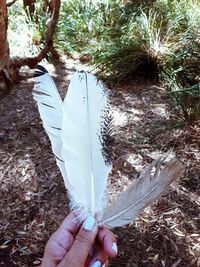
105	264
89	224
108	239
70	223
110	248
114	248
83	242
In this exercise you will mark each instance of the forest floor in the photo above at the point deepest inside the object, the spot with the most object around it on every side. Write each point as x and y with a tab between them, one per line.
33	199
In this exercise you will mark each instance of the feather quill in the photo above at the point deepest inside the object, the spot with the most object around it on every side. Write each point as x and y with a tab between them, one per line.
141	193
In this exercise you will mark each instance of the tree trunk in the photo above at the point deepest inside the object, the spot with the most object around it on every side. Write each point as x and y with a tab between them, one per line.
4	48
48	6
9	68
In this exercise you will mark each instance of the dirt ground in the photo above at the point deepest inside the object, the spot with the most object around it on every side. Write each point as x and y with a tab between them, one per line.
33	199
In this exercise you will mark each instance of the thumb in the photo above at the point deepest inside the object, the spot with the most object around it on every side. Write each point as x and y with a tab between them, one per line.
78	253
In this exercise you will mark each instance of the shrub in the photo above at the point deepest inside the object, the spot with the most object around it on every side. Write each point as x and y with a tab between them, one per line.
126	39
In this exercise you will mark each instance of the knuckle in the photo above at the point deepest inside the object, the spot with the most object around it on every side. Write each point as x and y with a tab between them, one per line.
83	240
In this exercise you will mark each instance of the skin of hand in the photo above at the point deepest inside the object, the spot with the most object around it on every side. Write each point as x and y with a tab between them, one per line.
75	246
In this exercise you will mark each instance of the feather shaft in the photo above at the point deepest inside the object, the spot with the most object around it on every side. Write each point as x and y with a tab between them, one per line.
141	193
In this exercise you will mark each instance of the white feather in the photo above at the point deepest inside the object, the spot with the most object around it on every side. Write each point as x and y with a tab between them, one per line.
85	119
50	108
78	131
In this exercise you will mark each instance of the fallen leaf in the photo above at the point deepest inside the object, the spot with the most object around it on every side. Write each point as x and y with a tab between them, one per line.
175	264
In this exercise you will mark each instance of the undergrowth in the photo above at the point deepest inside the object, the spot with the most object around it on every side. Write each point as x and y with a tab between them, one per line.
157	40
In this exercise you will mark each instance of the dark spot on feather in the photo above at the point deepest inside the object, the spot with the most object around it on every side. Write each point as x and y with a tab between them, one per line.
40	67
47	105
56	128
106	136
40	71
40	93
59	159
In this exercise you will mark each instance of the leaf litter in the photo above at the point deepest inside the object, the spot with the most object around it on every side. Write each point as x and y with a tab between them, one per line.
34	200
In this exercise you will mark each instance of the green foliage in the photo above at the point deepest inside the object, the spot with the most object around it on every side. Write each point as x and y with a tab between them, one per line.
26	33
124	39
152	39
183	63
83	24
181	67
188	100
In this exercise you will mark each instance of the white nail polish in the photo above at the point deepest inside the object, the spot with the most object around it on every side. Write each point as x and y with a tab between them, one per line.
89	223
105	264
96	264
114	247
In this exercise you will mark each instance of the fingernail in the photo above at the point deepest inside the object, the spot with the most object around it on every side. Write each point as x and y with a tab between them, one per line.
105	264
96	264
89	223
114	247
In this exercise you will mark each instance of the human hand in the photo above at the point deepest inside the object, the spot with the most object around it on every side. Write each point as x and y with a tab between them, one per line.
70	246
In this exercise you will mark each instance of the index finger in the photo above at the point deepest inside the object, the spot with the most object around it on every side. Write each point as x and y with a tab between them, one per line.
70	223
78	253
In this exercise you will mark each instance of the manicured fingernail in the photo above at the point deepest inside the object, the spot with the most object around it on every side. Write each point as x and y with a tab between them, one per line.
114	247
96	264
89	223
105	264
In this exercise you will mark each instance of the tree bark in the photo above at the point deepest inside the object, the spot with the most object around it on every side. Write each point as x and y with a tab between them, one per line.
4	49
48	6
9	68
